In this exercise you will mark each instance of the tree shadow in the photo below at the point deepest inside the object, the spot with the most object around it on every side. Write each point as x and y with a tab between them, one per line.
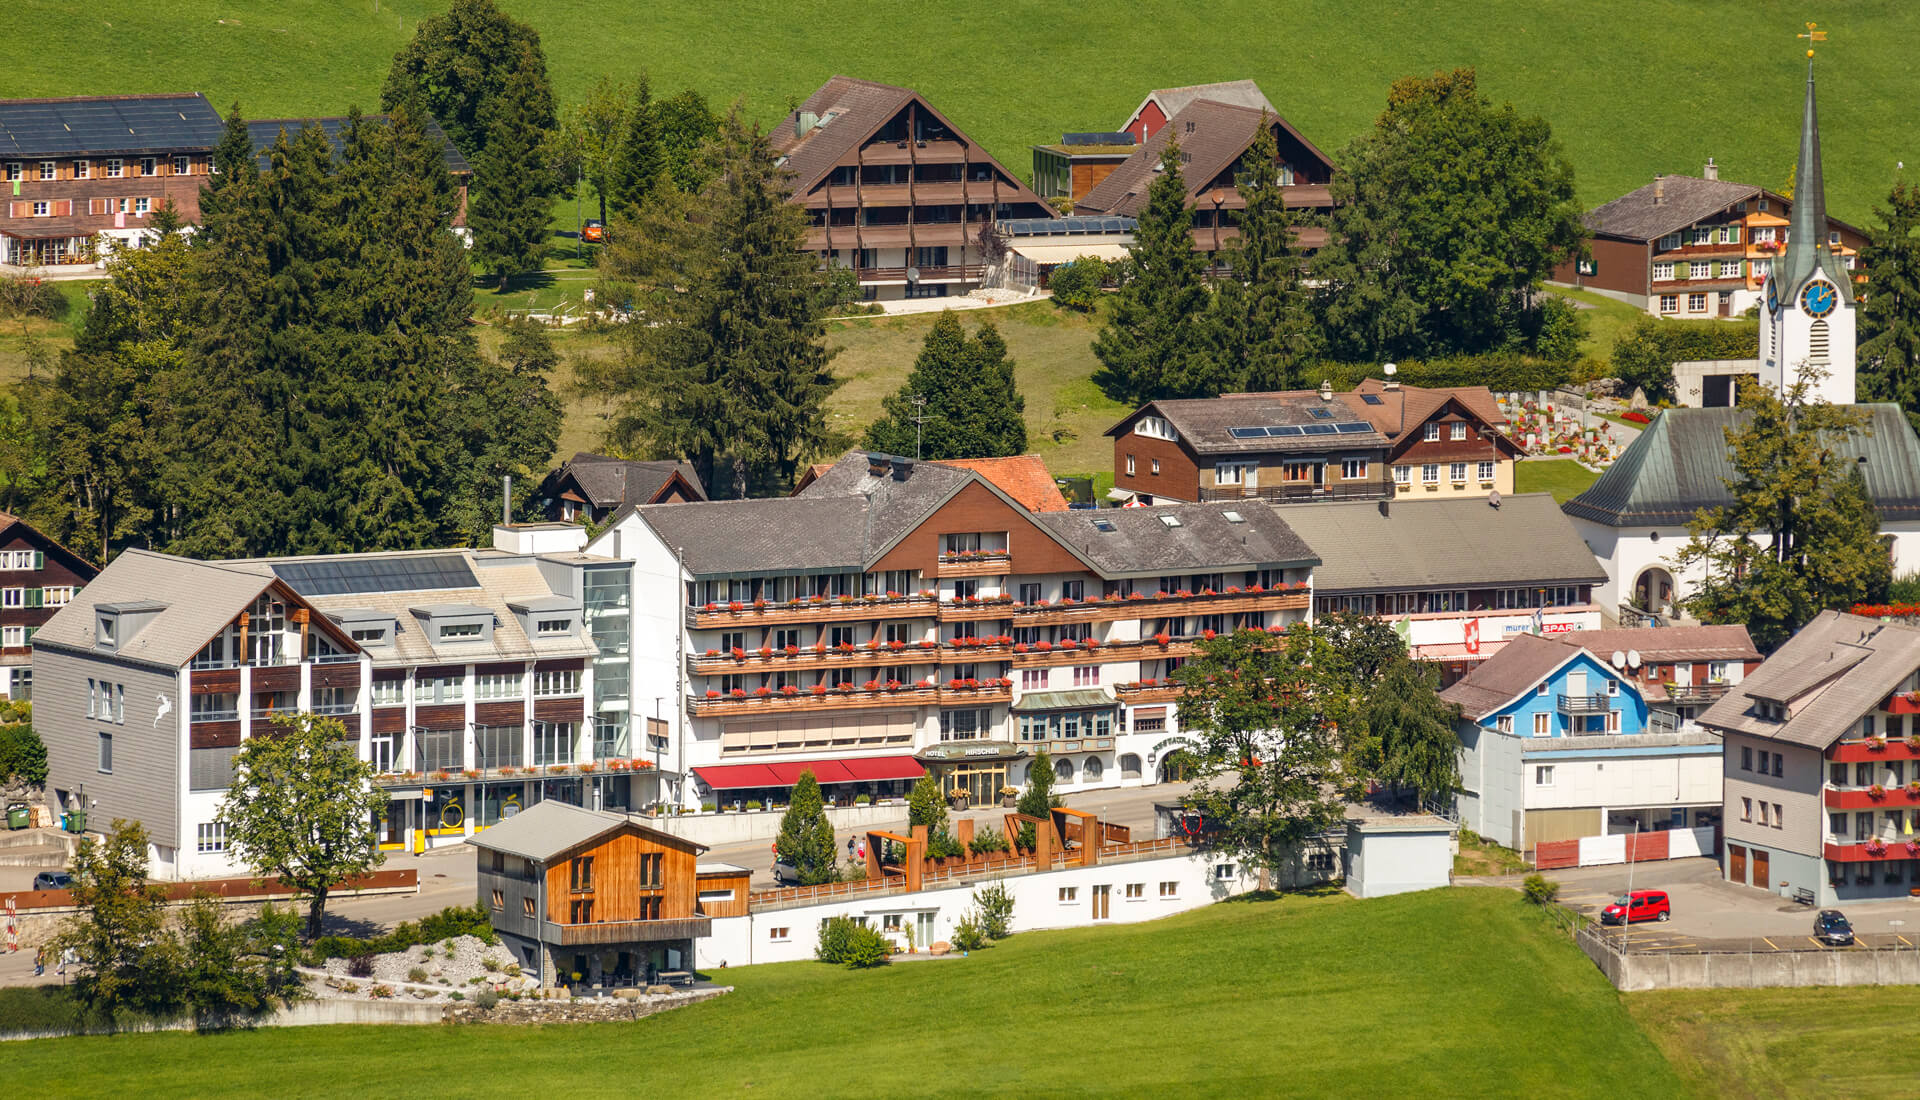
1317	890
335	924
532	280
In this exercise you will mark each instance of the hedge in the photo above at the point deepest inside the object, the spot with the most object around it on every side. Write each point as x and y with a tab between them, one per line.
1498	371
448	923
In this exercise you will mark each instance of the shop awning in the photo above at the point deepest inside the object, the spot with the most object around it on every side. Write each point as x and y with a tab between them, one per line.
786	773
1052	253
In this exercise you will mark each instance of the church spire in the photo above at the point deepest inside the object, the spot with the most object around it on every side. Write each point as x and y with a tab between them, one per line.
1807	249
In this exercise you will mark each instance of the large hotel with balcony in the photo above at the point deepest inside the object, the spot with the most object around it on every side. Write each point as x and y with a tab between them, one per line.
896	616
476	682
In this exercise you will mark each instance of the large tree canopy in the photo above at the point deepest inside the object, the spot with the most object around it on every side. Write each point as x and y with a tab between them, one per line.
1890	307
959	401
1152	343
458	63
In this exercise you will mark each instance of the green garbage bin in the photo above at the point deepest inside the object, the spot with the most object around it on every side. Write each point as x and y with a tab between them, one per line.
77	821
19	816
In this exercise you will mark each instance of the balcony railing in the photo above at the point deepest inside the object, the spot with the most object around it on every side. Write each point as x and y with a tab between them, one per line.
230	714
1296	494
819	655
1147	691
513	771
809	609
1585	704
1687	695
1139	605
1877	796
336	709
1859	850
948	274
823	697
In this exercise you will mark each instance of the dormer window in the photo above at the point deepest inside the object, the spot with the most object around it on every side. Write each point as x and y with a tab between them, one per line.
456	632
107	625
549	628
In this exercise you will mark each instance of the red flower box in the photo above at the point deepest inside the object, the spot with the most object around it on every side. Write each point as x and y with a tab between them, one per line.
790	690
713	653
738	653
763	691
793	650
1043	646
712	694
819	689
739	693
766	651
733	605
1207	634
1162	638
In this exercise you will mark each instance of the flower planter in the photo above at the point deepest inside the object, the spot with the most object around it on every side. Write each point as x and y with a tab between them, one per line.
1009	802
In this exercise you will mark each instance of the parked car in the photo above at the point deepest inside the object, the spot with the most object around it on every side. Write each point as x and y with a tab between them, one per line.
52	880
1640	905
1831	928
785	874
593	232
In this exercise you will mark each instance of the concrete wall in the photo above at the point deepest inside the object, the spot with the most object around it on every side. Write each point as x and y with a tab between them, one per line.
1639	972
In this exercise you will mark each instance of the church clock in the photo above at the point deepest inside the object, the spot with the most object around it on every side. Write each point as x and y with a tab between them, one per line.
1819	299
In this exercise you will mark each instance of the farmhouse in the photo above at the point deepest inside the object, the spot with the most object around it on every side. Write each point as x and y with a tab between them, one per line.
38	577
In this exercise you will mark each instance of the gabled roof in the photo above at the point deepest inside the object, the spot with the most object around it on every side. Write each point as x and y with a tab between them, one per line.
1683	200
80	565
1221	133
1408	407
1206	424
1680	463
1022	477
1837	668
1239	93
608	482
1122	542
263	132
849	111
1459	542
1666	644
97	125
552	828
1497	681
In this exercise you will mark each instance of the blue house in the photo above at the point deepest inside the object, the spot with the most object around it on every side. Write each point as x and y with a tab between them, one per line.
1558	745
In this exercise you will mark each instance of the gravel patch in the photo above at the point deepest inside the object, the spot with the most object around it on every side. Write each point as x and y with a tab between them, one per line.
449	966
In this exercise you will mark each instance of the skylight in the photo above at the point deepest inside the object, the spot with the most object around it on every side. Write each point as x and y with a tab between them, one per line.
1170	521
1371	399
1234	517
1103	525
1320	414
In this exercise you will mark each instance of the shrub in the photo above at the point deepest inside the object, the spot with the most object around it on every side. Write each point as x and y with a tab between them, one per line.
25	296
513	970
360	966
456	995
455	920
1540	889
995	903
1644	355
987	840
486	999
942	845
1076	285
967	933
846	941
380	992
417	974
753	804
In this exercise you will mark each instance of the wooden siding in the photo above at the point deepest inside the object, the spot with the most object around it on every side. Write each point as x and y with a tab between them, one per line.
215	735
220	681
499	714
740	882
1179	476
452	716
560	710
499	668
340	675
616	889
559	663
977	508
276	678
147	752
389	719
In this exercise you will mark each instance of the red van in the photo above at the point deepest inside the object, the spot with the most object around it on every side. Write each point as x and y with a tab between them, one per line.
1641	905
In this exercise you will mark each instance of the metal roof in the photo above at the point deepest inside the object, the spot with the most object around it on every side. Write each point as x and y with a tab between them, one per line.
550	828
94	125
1051	227
1681	463
1855	663
354	574
1462	542
1076	699
263	132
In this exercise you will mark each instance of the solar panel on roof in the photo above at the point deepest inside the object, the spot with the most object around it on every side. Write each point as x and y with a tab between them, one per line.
1246	433
1349	429
1286	429
356	575
1318	429
1372	399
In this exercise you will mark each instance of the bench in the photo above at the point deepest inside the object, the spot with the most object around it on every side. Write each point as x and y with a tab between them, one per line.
675	977
1803	895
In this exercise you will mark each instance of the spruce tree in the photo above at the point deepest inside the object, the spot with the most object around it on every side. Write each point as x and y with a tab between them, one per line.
513	185
233	160
969	406
1889	354
1151	343
1259	326
806	836
1038	799
639	164
459	62
927	804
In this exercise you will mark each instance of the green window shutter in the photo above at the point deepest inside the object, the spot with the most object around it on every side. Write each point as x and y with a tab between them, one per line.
36	597
39	559
1733	234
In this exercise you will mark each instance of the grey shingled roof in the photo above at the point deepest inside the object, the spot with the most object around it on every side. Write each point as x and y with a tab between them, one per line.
610	481
1221	133
201	598
1206	423
1635	216
1860	661
551	828
1462	542
1120	542
1240	93
1681	463
1496	681
263	132
96	125
776	534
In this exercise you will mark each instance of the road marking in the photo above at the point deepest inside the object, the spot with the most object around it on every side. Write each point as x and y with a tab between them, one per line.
1770	943
1816	943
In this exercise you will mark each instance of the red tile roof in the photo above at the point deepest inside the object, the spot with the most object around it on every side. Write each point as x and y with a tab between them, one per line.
1022	477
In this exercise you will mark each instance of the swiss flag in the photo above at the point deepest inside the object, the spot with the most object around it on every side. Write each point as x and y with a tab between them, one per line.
1473	636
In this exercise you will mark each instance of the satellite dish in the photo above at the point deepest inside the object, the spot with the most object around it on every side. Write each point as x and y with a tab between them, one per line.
1633	658
1619	659
1493	498
913	274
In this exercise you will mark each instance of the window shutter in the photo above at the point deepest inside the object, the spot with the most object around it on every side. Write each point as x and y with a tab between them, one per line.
39	559
13	210
63	208
36	597
96	206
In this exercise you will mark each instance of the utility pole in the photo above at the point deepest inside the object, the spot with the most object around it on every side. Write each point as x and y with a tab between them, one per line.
919	418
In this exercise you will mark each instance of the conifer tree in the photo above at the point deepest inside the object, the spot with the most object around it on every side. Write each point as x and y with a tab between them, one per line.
927	804
233	160
1889	354
1259	325
806	836
968	405
1037	799
513	184
1150	345
639	165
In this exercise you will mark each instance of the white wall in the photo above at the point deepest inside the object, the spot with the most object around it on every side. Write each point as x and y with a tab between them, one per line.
741	941
1490	771
658	624
1605	780
1397	859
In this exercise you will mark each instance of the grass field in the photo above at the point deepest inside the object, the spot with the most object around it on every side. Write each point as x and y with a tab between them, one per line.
1446	993
1788	1042
1562	477
1629	94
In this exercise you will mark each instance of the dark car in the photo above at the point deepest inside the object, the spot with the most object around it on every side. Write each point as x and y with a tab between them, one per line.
785	874
1831	928
1643	905
52	880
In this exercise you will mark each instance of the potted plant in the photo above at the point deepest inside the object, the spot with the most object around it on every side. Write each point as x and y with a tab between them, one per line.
1009	797
1876	791
862	799
958	796
753	806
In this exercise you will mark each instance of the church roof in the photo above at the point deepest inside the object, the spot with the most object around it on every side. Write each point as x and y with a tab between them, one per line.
1681	463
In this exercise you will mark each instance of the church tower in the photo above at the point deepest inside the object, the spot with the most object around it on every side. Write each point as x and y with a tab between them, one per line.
1808	311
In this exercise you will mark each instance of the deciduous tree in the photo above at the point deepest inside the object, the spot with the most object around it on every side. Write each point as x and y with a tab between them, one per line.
1413	728
458	63
806	836
127	961
592	137
1151	345
967	403
301	807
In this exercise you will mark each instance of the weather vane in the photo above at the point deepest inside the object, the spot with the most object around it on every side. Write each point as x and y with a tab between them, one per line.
1812	36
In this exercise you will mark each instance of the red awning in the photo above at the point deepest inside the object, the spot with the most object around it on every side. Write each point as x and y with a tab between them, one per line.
786	773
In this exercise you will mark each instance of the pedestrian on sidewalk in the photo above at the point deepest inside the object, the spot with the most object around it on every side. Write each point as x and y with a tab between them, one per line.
40	961
849	849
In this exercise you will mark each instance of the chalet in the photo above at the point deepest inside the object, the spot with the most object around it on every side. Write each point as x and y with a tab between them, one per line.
1457	577
1300	445
1214	139
263	132
589	487
896	616
90	169
1162	104
38	577
1693	246
894	190
1440	442
593	900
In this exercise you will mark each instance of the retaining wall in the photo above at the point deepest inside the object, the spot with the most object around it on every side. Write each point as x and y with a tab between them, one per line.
1642	971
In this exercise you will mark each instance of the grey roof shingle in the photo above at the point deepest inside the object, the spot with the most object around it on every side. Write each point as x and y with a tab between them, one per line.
551	828
1120	542
1206	423
1854	661
610	481
1462	542
200	599
96	125
1681	463
1521	663
263	132
1221	133
1683	200
1240	93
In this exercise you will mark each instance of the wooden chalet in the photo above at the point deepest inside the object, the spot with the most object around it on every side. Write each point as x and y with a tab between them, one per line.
894	190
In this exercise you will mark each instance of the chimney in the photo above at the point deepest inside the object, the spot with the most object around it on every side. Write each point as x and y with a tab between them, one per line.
1659	190
1711	171
1326	389
506	499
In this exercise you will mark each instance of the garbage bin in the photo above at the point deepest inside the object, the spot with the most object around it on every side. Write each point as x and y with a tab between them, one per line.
77	821
63	823
19	816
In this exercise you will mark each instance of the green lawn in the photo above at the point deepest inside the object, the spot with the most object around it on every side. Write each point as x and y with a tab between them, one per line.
1627	98
1446	993
1788	1042
1606	319
1562	477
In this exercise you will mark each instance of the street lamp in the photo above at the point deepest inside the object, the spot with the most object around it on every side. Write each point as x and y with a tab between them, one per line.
1219	197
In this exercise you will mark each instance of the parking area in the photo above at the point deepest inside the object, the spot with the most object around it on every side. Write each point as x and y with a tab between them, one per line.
1710	914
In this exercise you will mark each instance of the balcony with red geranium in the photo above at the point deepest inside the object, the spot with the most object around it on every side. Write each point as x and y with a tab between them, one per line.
716	615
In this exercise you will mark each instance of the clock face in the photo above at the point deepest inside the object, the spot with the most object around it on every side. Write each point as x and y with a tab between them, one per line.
1819	299
1773	296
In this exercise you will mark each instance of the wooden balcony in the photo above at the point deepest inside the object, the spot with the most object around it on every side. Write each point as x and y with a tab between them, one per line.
1104	653
1864	798
914	152
626	931
510	772
986	564
715	616
1138	606
1694	695
860	698
951	273
1147	693
1300	493
815	657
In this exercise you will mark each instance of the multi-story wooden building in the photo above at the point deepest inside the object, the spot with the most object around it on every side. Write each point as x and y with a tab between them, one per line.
38	577
476	682
894	190
594	900
896	615
1162	104
588	488
1299	445
1214	139
1440	442
1693	246
89	169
